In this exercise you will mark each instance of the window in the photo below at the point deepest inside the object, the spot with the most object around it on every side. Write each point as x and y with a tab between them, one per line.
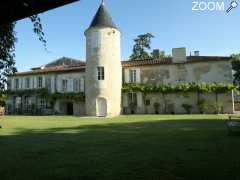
64	85
39	82
41	103
16	83
26	102
133	76
132	97
48	84
101	73
147	102
76	85
27	83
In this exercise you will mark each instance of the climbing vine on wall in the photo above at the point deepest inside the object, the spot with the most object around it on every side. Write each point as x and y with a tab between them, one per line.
44	93
185	87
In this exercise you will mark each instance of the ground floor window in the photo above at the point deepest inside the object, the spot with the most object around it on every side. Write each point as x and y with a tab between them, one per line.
148	102
132	98
41	103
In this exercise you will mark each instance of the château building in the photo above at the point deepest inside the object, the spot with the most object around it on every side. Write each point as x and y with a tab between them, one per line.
94	87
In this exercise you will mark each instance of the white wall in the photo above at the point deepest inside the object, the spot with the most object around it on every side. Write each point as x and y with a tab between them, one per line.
58	77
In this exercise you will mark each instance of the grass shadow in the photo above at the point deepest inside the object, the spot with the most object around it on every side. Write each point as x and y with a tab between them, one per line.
171	149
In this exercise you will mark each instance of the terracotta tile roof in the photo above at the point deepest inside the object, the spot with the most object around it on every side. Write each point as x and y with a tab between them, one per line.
81	67
52	70
190	59
146	62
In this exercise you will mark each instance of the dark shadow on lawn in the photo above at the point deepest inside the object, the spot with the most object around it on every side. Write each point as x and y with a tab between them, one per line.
174	149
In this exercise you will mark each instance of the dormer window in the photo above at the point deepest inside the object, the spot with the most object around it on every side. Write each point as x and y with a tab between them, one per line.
101	73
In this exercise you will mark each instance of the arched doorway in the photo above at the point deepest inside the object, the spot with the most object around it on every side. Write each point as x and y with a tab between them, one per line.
101	107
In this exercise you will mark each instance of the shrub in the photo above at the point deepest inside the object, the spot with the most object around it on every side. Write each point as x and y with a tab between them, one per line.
188	108
203	106
156	107
218	108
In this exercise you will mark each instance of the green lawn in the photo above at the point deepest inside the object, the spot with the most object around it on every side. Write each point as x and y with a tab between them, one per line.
124	148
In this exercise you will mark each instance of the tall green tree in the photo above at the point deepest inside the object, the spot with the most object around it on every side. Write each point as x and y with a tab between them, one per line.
236	67
141	47
7	47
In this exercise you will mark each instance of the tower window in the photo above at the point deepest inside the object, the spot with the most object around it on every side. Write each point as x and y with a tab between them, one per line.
101	73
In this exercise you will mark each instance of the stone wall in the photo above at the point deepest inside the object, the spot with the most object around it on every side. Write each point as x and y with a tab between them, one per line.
209	72
172	103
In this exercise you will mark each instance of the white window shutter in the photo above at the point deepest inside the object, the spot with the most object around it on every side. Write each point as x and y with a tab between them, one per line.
127	76
138	74
70	88
82	88
139	99
43	82
125	100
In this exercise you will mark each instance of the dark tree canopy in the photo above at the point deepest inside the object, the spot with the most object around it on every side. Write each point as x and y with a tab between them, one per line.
236	67
7	48
142	44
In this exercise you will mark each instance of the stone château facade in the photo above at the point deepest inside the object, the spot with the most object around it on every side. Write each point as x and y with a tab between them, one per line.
99	80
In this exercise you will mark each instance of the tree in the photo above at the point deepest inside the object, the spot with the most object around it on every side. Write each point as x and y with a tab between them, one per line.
162	55
236	68
7	47
142	44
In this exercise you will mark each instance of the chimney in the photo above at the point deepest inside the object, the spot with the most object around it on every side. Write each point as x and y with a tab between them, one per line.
196	53
156	54
179	55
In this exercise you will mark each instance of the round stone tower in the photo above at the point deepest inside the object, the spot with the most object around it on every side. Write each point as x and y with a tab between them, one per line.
103	66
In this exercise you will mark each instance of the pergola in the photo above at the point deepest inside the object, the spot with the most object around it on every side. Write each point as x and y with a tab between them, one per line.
13	10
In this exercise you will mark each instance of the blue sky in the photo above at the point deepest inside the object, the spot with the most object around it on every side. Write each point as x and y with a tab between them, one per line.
172	22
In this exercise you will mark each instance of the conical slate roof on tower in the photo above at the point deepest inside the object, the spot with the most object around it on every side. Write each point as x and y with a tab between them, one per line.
102	18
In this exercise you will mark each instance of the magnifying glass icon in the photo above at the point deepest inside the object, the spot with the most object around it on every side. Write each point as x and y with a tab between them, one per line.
233	5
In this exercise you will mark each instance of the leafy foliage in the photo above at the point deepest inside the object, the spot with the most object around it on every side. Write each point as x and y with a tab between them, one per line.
70	96
38	29
44	93
142	44
162	55
236	67
188	108
203	106
7	47
40	92
185	87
